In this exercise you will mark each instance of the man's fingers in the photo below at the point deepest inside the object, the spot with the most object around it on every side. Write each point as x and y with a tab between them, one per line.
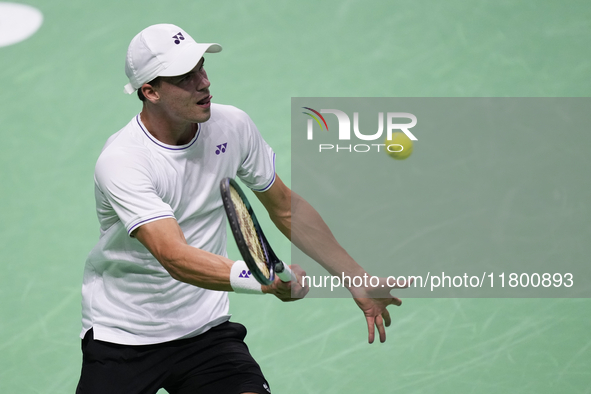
290	291
381	328
370	328
386	317
301	291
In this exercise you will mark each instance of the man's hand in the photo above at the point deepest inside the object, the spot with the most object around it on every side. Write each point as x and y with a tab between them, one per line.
288	291
373	302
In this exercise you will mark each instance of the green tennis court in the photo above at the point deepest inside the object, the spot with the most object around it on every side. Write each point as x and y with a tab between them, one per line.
62	95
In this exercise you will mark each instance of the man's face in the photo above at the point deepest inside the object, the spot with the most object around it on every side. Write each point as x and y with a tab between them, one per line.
186	97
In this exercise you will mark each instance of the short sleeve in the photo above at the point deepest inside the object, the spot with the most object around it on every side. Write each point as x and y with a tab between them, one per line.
128	188
257	171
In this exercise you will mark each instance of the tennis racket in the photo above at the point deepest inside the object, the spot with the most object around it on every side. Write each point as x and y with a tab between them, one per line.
252	244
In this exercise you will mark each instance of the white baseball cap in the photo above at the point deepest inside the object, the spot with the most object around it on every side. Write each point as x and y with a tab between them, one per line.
162	50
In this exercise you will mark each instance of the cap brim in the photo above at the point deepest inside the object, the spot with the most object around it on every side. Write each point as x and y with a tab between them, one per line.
188	59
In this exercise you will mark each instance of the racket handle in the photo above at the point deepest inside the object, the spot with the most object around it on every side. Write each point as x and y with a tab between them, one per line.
283	271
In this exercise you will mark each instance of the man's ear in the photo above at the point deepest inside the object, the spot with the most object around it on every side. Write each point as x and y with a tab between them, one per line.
150	93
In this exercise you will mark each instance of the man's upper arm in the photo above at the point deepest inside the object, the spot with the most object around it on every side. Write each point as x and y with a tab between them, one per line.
277	201
161	238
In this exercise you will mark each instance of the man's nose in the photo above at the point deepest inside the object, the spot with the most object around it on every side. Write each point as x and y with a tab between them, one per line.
203	82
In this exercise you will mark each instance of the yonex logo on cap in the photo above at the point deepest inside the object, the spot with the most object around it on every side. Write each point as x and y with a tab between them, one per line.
178	38
244	274
221	148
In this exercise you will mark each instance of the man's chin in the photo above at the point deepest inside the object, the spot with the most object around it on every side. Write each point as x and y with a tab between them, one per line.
203	116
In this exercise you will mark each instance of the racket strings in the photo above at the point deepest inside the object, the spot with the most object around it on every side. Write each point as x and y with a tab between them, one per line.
248	231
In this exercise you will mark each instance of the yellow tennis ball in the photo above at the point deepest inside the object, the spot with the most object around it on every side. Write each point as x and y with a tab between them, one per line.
399	147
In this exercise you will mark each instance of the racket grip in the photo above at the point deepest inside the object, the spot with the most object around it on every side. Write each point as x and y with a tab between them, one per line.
283	271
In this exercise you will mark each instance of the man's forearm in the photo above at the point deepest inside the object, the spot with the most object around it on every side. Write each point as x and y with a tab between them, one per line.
166	241
198	267
312	236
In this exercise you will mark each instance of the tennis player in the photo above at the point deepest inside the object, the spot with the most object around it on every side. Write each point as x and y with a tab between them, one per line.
155	289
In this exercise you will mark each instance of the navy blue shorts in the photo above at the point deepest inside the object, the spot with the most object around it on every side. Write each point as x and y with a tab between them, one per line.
217	361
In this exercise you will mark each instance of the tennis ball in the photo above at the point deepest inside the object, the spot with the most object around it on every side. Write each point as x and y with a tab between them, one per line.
399	147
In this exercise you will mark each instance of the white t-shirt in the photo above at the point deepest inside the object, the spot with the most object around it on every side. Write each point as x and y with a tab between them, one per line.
127	295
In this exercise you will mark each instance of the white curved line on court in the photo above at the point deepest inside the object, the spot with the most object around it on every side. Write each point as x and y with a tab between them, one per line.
18	22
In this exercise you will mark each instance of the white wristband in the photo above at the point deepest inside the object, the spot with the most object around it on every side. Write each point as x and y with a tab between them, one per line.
242	281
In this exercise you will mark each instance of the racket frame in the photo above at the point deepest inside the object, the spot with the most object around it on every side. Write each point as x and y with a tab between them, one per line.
273	261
